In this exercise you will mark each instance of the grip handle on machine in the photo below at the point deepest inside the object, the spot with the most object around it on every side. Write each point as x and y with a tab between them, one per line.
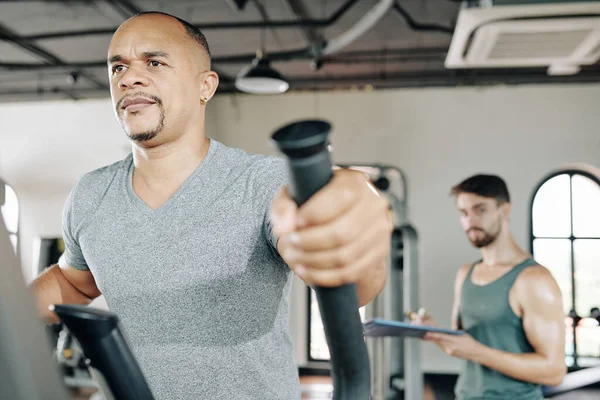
103	343
305	145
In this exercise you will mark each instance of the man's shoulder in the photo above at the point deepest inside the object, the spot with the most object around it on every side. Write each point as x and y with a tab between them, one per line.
258	166
464	269
536	280
534	274
92	186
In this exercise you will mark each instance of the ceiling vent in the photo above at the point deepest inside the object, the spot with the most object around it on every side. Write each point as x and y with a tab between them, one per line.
562	36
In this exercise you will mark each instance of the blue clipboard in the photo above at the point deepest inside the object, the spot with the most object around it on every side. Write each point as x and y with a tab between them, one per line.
381	328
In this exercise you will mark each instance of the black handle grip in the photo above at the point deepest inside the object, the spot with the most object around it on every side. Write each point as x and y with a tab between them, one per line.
304	144
102	342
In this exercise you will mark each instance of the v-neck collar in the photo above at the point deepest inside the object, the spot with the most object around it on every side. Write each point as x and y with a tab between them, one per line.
145	208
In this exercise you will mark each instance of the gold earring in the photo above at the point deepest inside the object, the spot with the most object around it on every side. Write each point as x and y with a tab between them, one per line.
203	100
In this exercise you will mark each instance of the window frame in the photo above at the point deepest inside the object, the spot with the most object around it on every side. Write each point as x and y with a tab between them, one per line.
570	172
309	356
13	234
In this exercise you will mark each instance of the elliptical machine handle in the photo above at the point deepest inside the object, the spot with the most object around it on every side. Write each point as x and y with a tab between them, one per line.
304	144
100	337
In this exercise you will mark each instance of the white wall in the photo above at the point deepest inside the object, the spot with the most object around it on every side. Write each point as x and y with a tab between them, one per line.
436	136
45	148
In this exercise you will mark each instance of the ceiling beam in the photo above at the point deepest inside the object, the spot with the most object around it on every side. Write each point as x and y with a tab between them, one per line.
299	10
10	36
115	5
431	78
266	19
319	23
282	56
128	6
418	26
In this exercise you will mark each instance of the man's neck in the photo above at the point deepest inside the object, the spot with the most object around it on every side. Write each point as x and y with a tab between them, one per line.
503	251
170	161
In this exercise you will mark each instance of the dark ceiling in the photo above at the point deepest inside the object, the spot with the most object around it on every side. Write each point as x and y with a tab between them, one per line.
57	49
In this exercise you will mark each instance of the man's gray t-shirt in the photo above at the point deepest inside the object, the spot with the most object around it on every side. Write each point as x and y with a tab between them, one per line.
199	288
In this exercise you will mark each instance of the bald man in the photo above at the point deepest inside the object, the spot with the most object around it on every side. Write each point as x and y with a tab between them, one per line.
192	243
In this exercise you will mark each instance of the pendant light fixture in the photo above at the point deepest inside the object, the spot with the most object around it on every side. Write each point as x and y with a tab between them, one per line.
259	77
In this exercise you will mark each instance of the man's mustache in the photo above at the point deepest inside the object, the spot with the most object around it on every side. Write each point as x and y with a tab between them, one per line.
148	96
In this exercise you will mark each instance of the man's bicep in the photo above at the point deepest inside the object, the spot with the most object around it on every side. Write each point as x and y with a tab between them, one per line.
270	180
543	319
82	280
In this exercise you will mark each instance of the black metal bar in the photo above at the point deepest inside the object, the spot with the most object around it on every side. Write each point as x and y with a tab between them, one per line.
8	35
304	147
117	7
282	56
417	26
323	23
299	9
572	247
68	92
468	76
565	238
434	78
388	60
265	17
128	6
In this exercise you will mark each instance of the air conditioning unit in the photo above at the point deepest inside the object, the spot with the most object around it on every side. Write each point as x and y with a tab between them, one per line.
561	35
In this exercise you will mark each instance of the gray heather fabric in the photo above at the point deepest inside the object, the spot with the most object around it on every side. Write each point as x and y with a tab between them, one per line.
199	288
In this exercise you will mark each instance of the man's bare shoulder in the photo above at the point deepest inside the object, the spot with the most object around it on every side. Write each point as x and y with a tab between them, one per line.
534	274
463	271
535	281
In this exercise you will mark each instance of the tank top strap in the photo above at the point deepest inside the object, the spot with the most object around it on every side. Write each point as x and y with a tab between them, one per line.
468	277
512	275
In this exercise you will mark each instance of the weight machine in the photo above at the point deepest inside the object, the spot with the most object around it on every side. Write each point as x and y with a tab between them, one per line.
395	362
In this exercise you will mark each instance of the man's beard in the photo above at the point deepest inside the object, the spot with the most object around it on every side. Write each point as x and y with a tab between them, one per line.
151	134
487	239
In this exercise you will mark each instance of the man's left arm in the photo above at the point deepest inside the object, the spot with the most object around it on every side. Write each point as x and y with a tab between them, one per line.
341	235
543	322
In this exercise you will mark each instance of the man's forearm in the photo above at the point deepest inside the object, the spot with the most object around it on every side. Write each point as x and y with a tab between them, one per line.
51	287
371	284
529	367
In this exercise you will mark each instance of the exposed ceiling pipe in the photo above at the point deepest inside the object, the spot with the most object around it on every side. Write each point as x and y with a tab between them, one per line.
357	30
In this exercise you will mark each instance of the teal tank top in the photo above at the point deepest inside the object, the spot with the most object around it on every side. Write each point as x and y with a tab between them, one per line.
485	314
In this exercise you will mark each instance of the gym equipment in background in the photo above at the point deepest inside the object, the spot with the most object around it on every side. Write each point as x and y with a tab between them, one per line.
68	354
395	361
46	252
110	358
26	368
305	146
573	381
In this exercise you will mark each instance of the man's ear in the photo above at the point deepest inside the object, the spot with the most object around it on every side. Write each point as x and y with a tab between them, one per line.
209	82
506	210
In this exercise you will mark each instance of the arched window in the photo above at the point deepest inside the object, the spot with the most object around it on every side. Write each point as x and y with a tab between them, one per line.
9	207
565	238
